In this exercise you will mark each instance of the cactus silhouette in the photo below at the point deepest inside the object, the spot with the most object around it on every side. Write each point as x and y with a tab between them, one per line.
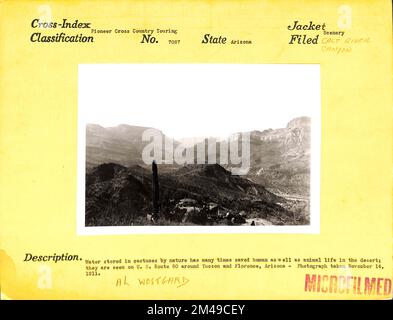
156	191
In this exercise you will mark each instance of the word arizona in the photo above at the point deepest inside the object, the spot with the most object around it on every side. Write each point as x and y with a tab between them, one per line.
164	150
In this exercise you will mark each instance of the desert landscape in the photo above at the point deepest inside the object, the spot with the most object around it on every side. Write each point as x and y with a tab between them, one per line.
121	191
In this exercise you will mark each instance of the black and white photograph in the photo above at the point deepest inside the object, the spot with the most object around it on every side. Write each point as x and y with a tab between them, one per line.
200	148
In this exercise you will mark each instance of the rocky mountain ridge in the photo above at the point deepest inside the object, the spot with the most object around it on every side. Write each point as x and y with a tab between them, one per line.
279	159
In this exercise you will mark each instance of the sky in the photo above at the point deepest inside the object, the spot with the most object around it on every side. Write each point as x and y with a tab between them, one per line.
198	100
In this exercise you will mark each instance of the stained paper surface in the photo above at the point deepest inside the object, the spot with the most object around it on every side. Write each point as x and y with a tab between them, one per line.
287	110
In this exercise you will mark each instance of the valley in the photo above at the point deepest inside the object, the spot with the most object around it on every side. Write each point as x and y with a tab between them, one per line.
275	190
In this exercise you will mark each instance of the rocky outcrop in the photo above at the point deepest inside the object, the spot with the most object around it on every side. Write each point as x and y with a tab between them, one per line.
280	158
192	194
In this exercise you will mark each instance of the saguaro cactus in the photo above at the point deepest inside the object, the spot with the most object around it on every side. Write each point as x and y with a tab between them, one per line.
156	192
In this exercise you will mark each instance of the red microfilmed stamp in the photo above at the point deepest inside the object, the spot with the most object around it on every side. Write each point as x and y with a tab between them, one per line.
367	286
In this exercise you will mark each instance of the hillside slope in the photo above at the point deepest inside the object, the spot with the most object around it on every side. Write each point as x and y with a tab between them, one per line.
192	194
